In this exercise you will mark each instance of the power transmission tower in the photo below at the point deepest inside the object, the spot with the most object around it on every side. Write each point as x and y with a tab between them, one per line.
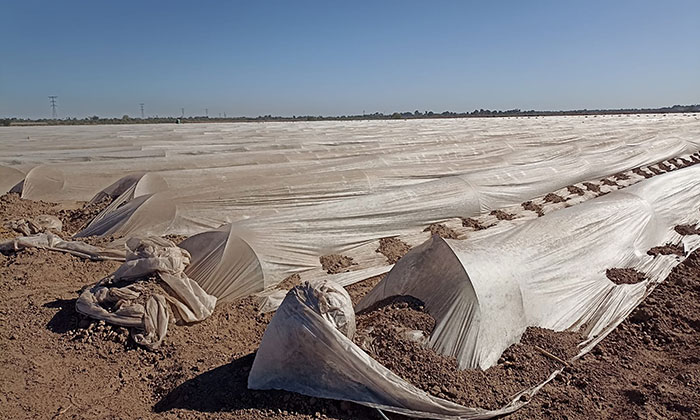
183	111
206	112
141	111
52	99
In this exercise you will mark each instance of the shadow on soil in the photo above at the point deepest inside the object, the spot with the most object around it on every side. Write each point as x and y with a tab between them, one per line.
226	389
66	318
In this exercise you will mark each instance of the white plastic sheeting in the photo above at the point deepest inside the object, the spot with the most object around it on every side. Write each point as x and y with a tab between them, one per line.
484	292
128	195
117	303
303	351
223	264
294	192
54	242
9	178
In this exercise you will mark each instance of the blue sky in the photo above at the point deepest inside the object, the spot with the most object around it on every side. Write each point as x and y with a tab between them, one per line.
334	58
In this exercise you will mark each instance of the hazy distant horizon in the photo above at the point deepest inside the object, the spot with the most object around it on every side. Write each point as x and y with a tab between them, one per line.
318	58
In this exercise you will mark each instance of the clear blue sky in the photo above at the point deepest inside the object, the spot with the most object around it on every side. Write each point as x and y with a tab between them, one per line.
333	58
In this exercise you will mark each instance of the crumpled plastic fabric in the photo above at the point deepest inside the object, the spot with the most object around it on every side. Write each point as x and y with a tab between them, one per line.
54	242
38	224
117	298
303	351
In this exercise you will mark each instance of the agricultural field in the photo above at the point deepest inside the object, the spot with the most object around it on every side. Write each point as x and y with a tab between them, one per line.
533	268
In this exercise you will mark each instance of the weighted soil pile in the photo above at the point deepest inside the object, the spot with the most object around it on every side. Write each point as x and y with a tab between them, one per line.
393	249
648	367
394	333
75	220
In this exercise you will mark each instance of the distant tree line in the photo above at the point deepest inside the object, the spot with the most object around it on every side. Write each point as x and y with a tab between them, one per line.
480	113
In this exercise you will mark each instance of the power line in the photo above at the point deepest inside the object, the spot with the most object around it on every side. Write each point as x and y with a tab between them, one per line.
52	99
183	111
141	111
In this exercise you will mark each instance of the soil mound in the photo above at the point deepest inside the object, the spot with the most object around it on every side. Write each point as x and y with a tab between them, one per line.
75	220
393	249
646	368
668	249
529	205
573	189
624	275
473	223
394	331
442	231
592	187
687	230
642	173
336	263
553	198
501	215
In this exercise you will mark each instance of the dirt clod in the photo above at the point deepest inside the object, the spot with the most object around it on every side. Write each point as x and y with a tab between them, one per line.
668	249
554	198
393	249
592	187
624	275
336	263
442	231
502	215
529	205
473	223
640	172
573	189
687	230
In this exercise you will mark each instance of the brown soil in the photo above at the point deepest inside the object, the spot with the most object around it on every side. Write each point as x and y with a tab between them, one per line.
529	205
592	187
621	177
336	263
553	198
668	249
642	173
611	183
664	167
92	370
381	333
75	220
624	275
289	282
647	368
442	231
687	230
393	249
573	189
358	290
13	208
501	215
473	223
654	170
176	239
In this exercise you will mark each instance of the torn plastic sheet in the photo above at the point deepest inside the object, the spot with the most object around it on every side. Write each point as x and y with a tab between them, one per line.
54	242
484	292
115	298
